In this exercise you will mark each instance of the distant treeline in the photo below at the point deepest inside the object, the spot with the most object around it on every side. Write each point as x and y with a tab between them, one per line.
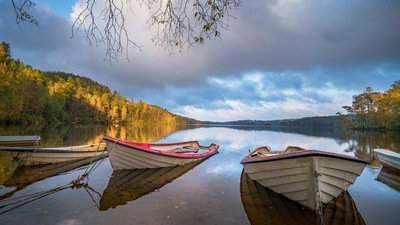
319	121
369	111
32	96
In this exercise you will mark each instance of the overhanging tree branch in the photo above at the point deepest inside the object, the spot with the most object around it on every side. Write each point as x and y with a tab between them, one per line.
113	35
179	23
22	10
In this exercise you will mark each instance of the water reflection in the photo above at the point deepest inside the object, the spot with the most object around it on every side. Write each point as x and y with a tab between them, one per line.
243	140
78	135
264	206
25	176
208	194
128	185
390	178
7	166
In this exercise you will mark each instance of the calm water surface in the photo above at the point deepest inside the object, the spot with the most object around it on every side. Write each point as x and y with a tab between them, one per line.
208	193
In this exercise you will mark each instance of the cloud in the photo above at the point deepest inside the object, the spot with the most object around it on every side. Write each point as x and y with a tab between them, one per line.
279	59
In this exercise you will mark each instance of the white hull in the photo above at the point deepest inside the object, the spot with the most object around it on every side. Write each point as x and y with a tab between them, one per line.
126	157
262	204
40	156
388	158
310	179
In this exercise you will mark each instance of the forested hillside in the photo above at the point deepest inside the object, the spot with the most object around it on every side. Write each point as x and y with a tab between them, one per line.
32	96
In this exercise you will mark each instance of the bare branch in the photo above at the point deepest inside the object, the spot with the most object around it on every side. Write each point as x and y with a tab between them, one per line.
176	28
21	9
114	34
179	23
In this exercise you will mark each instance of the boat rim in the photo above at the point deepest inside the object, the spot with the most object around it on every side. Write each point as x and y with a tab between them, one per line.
211	151
304	153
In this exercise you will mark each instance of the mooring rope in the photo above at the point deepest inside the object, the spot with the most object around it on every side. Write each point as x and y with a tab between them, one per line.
25	199
319	207
91	196
91	166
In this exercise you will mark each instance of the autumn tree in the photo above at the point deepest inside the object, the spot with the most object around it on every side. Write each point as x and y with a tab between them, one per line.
392	105
31	96
376	110
23	90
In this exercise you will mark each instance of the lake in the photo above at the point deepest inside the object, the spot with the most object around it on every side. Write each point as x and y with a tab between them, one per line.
211	192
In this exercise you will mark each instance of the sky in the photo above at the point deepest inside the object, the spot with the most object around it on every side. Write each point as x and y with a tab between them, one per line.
278	59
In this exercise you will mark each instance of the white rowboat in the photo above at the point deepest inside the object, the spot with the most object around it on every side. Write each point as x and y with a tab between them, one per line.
262	204
389	159
138	155
311	177
39	156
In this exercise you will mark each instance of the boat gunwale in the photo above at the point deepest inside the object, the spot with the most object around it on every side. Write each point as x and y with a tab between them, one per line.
387	152
54	150
212	148
299	154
